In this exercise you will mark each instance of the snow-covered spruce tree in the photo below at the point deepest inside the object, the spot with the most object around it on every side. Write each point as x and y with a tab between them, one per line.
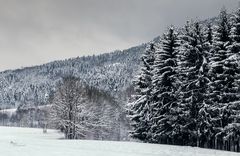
67	108
226	102
164	88
209	34
222	36
231	132
140	109
224	86
193	68
230	106
208	39
205	135
234	48
216	72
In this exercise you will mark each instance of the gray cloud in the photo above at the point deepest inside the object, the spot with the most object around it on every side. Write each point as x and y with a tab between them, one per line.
37	31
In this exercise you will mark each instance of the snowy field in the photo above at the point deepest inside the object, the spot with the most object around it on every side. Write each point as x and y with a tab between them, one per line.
32	142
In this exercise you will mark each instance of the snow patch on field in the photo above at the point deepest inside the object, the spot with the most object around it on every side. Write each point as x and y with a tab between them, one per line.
32	142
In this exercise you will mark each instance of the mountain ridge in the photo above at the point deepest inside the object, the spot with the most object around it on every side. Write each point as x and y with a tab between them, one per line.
111	72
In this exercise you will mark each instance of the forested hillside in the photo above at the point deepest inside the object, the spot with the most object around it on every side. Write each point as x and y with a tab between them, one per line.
33	86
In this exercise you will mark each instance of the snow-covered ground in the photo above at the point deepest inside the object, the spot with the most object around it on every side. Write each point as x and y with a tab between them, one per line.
32	142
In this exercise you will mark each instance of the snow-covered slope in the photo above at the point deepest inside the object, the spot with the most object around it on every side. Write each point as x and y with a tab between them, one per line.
111	72
32	142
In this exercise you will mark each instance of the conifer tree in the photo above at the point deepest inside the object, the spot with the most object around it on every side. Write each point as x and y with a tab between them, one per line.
208	39
140	108
235	34
164	88
209	34
193	68
205	137
222	36
224	86
231	129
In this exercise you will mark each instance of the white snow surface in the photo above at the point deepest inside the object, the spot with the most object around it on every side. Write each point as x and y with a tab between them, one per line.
33	142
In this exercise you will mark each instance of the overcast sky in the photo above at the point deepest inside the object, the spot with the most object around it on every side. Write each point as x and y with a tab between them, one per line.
38	31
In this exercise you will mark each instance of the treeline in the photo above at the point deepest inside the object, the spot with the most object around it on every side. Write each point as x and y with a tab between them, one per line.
188	89
77	109
25	117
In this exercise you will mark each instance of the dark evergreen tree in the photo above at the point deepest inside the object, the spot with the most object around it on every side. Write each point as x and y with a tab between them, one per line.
224	86
205	137
222	36
209	34
140	109
235	34
231	109
165	86
193	69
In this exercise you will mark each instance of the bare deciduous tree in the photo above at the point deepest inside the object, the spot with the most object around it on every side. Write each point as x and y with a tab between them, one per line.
67	108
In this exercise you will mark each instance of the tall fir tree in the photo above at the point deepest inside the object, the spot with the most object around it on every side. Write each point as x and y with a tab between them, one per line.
165	86
222	36
205	137
193	69
139	110
234	48
231	131
208	39
224	86
209	34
